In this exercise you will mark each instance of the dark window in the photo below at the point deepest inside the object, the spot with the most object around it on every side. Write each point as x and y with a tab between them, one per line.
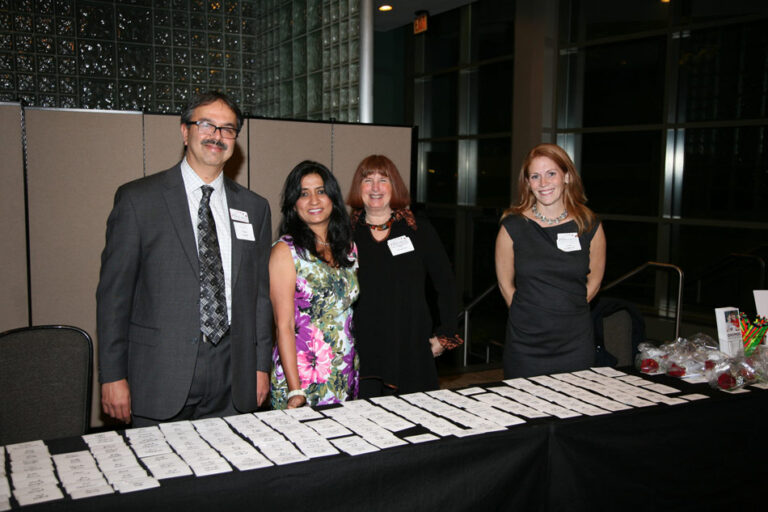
629	245
440	92
723	73
493	29
493	172
721	266
621	172
442	48
709	10
726	173
494	97
441	172
592	19
624	83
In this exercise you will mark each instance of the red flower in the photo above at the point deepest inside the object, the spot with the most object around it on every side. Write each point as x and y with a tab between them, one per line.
726	381
676	371
649	365
709	364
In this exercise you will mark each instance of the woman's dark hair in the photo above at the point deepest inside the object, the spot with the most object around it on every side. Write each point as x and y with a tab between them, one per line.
339	228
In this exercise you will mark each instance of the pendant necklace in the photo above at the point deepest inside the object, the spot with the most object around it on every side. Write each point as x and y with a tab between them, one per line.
549	221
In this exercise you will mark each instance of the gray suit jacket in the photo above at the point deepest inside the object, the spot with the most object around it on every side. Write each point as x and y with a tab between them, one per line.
148	296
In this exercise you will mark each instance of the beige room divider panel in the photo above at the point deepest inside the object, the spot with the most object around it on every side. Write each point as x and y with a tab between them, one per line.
162	140
76	160
352	143
276	147
165	147
13	271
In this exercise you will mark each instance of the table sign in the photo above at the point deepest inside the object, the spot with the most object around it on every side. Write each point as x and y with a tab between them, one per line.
729	332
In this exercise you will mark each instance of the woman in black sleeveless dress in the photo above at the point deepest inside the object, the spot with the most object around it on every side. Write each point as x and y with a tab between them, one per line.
550	259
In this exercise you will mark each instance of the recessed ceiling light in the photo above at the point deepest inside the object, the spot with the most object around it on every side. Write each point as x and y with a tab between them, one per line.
385	8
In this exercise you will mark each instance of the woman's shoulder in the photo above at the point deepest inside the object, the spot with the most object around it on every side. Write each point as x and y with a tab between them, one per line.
596	223
514	221
284	245
286	239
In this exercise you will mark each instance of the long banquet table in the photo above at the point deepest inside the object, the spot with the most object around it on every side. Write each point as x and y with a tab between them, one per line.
702	455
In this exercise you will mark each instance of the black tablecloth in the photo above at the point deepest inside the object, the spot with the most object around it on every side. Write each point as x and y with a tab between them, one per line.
703	455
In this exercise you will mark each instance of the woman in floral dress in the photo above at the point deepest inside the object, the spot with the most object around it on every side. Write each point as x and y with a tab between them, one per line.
313	284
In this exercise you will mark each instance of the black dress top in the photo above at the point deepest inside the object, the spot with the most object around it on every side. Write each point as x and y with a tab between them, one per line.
392	318
549	329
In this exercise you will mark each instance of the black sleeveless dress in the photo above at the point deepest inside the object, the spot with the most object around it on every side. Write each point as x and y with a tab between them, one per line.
549	329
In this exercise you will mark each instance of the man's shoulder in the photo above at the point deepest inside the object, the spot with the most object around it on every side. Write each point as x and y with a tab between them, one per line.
150	182
245	193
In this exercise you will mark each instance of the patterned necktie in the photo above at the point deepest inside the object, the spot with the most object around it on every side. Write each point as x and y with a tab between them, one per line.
213	302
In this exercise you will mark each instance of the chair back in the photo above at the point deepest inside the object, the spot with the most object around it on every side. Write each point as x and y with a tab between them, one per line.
617	334
619	328
45	383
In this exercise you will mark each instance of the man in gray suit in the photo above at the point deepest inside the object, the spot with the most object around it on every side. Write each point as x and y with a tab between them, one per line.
161	356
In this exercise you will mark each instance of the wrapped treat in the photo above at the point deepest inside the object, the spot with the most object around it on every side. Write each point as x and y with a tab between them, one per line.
650	358
687	357
759	361
680	358
731	374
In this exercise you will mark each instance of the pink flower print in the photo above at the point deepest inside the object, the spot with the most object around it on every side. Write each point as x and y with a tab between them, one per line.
314	363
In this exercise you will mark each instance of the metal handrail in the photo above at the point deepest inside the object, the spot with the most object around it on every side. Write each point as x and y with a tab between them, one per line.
666	266
465	313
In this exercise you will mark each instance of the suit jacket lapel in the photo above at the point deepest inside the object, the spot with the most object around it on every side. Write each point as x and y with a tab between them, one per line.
176	198
233	201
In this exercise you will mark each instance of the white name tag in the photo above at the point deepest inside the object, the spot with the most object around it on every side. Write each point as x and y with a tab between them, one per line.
244	231
238	215
400	245
568	242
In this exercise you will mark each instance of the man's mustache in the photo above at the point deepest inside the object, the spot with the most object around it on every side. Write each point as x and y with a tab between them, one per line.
216	143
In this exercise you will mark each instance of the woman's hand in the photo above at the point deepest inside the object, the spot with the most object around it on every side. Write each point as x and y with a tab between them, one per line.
296	401
437	348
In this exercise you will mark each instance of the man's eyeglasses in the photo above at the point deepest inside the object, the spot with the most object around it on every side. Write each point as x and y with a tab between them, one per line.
206	128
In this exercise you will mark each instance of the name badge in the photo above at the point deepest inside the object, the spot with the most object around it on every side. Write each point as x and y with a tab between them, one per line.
238	215
568	242
244	231
400	245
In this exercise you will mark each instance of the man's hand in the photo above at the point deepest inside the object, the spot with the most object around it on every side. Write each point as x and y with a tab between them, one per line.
262	387
116	400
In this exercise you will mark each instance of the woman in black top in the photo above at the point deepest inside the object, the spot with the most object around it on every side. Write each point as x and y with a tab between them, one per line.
395	335
550	259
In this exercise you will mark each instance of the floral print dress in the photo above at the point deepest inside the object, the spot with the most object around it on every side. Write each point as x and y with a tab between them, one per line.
325	348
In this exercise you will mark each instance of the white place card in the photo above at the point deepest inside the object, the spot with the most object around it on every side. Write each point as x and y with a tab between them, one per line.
353	445
89	492
421	438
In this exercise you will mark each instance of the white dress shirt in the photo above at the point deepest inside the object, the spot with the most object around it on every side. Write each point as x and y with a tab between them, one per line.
218	202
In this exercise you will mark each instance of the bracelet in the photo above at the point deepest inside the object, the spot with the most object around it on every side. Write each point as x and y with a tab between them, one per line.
296	392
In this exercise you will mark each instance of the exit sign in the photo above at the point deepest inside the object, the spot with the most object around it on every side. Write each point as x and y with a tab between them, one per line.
420	23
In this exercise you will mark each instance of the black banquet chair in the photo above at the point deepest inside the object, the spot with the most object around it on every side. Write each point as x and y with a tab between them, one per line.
45	383
619	328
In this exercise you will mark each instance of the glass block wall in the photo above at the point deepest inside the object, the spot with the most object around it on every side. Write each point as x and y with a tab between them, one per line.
277	58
